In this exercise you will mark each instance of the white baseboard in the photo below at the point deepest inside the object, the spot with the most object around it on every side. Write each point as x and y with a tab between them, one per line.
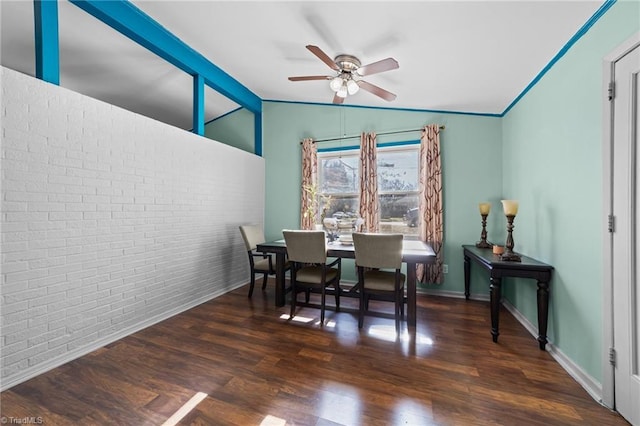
36	370
592	386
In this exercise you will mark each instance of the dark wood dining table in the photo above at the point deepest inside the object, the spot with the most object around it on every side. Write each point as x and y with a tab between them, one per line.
413	252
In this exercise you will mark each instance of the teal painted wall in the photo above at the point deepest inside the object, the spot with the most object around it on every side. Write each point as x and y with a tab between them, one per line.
471	159
552	163
235	129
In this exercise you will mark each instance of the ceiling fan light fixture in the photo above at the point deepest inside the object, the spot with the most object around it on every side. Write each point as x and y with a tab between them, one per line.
336	83
352	87
348	73
343	91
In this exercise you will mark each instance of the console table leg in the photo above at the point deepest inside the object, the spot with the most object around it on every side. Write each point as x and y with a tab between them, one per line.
467	268
543	313
496	294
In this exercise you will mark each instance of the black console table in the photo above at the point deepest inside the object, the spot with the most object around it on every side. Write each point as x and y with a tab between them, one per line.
527	268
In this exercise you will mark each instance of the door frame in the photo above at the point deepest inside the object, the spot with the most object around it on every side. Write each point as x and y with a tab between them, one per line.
608	374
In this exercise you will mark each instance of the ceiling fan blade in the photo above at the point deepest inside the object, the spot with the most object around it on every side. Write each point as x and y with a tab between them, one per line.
337	99
311	77
376	67
323	57
378	91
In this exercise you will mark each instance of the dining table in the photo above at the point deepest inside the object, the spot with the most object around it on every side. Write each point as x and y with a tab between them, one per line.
413	253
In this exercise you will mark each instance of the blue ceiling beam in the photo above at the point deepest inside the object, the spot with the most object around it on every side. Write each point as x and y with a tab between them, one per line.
46	40
126	18
257	135
198	105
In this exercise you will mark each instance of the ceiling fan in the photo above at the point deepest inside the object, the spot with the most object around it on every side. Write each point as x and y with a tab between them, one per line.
347	80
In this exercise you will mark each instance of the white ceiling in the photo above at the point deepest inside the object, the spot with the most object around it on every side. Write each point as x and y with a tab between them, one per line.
464	56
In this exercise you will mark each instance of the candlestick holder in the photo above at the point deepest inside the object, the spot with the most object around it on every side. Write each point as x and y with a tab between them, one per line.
510	211
483	235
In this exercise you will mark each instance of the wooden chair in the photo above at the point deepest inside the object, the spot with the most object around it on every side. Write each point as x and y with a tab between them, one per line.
374	253
260	263
307	253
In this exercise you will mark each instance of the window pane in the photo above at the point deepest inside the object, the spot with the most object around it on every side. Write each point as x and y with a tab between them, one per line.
398	170
399	213
395	206
341	206
339	175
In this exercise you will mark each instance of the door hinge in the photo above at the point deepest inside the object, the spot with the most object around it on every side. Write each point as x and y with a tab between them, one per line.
612	90
611	224
612	356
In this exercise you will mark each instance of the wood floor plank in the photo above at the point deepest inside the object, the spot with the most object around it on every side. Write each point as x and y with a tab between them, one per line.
256	365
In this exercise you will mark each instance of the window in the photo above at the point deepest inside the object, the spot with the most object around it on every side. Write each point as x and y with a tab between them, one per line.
338	178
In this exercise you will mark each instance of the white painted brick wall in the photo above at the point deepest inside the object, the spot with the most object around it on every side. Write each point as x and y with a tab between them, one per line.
111	221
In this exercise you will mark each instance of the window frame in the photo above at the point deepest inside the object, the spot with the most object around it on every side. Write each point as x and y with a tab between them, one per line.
354	151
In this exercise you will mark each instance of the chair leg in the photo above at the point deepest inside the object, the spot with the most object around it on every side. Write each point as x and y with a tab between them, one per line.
307	295
361	297
337	287
293	301
397	314
264	280
361	309
252	283
322	306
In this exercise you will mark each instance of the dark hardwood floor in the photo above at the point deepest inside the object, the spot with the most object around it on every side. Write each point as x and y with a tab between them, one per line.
258	368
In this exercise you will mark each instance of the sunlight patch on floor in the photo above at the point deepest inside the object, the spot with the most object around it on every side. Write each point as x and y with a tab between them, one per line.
330	323
185	409
306	320
388	333
411	412
421	339
340	403
297	318
383	332
273	421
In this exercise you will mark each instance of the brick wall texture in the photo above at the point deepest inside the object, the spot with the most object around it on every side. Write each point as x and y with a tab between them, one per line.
111	221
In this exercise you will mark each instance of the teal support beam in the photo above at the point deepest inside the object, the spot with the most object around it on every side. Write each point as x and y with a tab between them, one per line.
198	105
46	40
125	17
257	129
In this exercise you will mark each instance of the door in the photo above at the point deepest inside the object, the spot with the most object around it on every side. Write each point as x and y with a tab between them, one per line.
626	234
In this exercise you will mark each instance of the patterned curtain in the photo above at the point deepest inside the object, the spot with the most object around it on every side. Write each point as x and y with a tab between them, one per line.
369	203
308	201
430	203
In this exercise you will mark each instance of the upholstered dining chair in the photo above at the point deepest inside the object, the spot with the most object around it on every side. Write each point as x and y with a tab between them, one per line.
260	263
310	271
378	260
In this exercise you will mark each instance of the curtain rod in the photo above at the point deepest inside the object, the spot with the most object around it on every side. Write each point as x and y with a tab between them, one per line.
377	134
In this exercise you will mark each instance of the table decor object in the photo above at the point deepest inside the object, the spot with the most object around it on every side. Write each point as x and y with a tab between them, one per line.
510	208
331	228
485	208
